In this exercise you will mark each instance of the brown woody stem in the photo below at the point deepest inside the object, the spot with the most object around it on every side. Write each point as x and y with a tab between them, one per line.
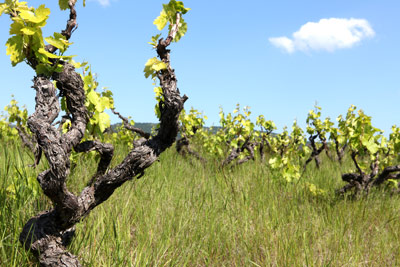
48	233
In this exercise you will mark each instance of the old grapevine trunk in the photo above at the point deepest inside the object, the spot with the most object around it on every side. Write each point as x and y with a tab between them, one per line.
48	233
362	182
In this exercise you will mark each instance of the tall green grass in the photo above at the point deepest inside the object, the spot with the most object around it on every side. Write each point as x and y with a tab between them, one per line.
182	213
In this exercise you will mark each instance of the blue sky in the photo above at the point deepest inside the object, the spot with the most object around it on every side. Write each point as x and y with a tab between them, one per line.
340	53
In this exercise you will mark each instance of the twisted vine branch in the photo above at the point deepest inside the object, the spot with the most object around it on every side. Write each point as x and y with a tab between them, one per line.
48	233
130	127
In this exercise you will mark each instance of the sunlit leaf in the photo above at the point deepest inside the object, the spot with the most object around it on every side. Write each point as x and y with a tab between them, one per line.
15	28
43	69
40	15
28	30
161	21
15	49
93	97
58	41
63	4
152	66
104	121
50	55
2	8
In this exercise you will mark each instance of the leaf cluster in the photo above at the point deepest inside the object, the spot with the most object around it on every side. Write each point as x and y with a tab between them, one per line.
27	43
7	133
152	66
191	123
266	128
236	129
288	153
64	4
97	103
364	140
168	15
315	126
123	136
16	114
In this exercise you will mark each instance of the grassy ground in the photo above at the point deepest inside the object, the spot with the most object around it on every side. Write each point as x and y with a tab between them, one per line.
184	214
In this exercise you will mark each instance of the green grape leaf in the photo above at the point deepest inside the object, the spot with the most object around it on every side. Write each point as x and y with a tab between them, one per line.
152	66
3	7
104	121
50	55
154	40
15	49
16	27
29	30
37	39
93	97
170	12
78	65
179	7
42	58
41	14
161	21
172	8
43	69
159	92
109	95
29	16
157	111
88	81
148	70
66	126
370	145
63	4
59	68
102	104
159	66
58	41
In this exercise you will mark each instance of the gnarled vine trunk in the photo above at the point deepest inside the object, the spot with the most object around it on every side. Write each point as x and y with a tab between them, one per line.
362	182
235	153
48	233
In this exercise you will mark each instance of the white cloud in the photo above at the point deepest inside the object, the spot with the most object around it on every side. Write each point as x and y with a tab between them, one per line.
103	3
327	34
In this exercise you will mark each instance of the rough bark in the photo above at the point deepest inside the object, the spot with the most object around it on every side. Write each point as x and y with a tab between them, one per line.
388	173
69	28
106	152
362	182
235	153
29	141
48	233
315	151
340	150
